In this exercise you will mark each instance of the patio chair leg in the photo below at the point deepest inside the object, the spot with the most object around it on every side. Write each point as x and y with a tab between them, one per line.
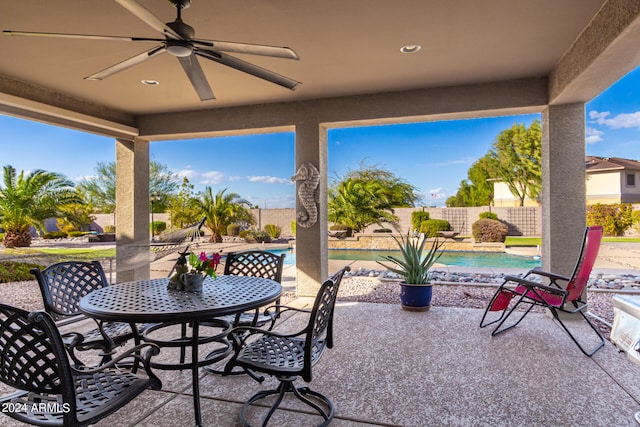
499	293
286	386
497	330
253	375
573	338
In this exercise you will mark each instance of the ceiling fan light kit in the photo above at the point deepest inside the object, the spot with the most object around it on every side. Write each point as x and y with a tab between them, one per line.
179	40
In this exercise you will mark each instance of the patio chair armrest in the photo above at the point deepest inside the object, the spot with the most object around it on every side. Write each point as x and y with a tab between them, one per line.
284	308
72	339
246	331
133	352
274	312
535	285
552	276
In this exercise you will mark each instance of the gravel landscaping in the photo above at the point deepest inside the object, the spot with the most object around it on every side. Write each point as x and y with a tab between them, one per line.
26	295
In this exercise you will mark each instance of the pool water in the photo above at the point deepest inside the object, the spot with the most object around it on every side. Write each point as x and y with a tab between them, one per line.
458	258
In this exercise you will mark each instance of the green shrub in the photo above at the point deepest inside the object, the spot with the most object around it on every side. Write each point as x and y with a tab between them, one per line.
347	228
488	215
158	227
614	218
233	230
76	233
431	227
635	218
274	231
293	228
11	271
382	230
109	229
417	218
255	236
489	230
55	235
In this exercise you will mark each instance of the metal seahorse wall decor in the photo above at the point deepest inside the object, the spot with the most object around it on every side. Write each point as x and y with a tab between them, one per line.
308	177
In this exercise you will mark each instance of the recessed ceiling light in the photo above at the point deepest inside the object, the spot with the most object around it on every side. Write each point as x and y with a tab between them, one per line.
410	48
150	82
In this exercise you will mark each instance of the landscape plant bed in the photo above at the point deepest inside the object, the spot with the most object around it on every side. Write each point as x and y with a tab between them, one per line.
11	271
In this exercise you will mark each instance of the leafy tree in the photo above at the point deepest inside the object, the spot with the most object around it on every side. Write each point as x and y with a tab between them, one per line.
516	157
477	189
27	200
367	196
221	210
100	189
181	209
75	216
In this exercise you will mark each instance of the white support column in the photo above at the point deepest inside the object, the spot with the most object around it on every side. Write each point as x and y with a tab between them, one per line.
311	242
563	186
132	209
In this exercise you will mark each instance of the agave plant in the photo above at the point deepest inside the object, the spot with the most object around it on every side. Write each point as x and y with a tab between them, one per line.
416	260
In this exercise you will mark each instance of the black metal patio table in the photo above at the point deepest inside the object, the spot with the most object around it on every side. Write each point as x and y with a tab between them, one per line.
149	301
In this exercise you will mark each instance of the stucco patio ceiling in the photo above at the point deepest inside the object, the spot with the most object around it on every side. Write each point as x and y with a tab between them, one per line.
346	48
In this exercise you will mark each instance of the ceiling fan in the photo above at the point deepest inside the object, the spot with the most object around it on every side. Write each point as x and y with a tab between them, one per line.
179	41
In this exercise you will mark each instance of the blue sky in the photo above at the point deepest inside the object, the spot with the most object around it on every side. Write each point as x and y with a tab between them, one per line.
434	156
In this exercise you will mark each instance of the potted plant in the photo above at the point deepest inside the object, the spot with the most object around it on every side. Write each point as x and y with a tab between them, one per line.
414	264
192	270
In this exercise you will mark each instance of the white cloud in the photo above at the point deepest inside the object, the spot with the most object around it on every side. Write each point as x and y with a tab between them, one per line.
81	178
212	177
625	120
269	179
461	161
593	135
234	178
190	174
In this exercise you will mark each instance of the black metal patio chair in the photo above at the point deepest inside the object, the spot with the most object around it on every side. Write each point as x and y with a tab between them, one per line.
62	285
254	264
289	356
51	392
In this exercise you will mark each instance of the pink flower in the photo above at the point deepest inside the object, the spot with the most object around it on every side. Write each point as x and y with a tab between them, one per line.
216	258
203	256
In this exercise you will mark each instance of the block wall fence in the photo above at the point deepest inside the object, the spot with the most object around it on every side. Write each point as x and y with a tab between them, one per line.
522	221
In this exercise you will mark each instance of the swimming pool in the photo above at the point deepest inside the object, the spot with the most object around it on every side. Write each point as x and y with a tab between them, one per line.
458	258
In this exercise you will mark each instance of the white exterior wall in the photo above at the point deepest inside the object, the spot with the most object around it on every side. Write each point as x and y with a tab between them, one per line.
604	187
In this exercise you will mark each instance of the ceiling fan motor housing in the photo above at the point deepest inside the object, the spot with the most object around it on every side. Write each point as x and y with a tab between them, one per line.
182	4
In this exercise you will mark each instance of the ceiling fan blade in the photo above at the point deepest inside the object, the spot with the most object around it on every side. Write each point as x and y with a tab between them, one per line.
248	68
149	18
192	67
79	36
141	57
251	49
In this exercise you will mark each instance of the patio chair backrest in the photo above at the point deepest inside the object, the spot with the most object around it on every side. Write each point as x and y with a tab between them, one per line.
320	326
255	264
63	285
30	359
586	260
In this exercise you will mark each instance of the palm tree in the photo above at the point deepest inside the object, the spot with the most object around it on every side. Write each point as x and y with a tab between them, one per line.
358	204
27	201
221	210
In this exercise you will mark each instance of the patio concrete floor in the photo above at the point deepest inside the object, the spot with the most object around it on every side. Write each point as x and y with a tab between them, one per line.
391	367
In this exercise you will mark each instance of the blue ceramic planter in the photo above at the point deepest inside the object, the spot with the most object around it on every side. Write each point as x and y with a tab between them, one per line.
415	297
